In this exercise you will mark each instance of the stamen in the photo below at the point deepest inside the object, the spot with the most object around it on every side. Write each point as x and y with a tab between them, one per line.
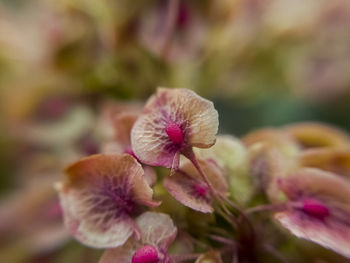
200	189
175	133
315	208
146	254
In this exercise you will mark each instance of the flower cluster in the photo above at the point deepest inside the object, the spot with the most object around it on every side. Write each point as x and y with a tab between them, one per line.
211	204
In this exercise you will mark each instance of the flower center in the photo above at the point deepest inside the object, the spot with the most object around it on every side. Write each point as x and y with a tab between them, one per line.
146	254
200	189
175	133
315	208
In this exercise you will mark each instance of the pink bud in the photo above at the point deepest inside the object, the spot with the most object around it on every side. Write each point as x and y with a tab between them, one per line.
146	254
315	208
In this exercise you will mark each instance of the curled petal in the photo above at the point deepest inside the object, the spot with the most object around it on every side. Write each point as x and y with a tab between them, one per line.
157	229
311	135
173	119
187	186
333	160
99	197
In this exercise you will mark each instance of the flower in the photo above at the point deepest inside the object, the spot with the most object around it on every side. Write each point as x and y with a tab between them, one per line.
211	256
100	196
318	208
158	232
329	159
312	135
188	187
172	122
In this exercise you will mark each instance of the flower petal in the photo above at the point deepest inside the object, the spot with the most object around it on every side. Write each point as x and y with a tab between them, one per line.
187	186
100	194
329	159
157	229
196	116
121	254
311	135
331	235
232	156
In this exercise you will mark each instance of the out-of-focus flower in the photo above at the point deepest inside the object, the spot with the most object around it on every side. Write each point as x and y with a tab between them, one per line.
333	160
232	156
318	208
122	123
272	154
157	233
209	257
316	135
172	122
100	196
32	216
188	187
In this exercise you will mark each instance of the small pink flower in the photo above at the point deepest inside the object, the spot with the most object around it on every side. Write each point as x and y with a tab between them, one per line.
101	195
318	209
172	122
188	187
157	233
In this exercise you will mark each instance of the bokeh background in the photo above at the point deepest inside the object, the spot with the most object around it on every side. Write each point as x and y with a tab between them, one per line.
64	63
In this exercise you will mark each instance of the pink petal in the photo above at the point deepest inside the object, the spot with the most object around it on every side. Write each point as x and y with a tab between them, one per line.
170	117
187	186
100	195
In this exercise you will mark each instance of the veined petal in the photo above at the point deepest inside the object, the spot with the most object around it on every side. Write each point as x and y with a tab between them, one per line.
187	186
173	119
121	254
99	197
157	229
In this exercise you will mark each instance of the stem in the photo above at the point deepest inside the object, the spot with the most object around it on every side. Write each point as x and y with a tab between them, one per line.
170	25
264	208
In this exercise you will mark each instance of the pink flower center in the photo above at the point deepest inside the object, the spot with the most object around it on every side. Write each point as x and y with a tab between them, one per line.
315	208
146	254
175	133
200	189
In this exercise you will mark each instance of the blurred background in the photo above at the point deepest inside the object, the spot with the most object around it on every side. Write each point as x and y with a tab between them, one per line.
64	63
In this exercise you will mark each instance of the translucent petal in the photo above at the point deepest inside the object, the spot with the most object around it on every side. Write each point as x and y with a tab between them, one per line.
187	186
157	229
196	116
98	197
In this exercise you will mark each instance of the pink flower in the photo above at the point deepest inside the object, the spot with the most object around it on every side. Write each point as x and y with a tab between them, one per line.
172	122
318	209
101	195
188	187
157	233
